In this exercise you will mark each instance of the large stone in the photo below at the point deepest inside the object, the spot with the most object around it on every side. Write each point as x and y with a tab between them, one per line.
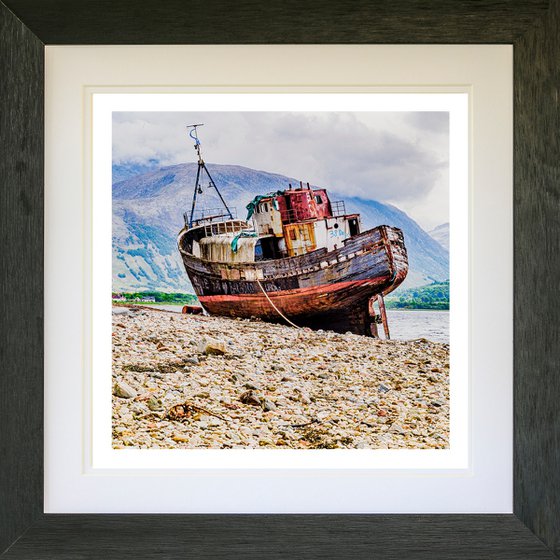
121	311
211	347
251	398
124	390
268	405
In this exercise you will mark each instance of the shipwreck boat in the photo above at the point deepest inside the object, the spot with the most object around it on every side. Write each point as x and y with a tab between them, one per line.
297	258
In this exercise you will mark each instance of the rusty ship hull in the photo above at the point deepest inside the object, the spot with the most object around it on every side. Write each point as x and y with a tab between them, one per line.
321	289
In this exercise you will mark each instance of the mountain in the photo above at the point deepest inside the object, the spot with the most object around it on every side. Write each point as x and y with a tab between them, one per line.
148	214
124	171
441	235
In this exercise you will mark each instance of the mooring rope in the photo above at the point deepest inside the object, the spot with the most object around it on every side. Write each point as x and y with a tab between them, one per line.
276	308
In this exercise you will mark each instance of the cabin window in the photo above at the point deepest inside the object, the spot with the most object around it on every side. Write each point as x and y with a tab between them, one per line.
258	251
293	234
265	205
353	227
269	247
318	199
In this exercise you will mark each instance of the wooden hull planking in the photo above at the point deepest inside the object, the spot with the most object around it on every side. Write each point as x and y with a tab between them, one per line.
329	290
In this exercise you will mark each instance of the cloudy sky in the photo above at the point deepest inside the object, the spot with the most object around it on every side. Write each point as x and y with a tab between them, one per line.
400	158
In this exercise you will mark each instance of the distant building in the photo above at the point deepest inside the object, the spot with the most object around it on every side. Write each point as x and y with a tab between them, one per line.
149	299
118	297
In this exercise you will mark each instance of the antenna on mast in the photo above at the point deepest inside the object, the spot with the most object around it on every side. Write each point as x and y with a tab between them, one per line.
194	135
202	169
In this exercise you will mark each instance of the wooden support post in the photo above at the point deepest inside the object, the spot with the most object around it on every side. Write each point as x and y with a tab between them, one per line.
383	313
372	318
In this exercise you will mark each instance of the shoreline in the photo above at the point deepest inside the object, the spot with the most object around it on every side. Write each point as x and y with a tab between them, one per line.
193	381
180	305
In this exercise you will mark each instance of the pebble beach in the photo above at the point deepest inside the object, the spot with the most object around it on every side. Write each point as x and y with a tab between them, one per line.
193	381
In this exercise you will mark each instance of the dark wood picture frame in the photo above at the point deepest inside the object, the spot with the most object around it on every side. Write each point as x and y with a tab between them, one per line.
533	531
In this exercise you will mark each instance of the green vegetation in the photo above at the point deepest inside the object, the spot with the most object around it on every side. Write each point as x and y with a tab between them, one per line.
162	298
432	296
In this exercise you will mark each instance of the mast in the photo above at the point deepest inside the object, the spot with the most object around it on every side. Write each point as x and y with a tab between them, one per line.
202	169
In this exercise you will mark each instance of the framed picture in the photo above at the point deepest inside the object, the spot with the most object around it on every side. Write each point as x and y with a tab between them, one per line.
289	389
392	536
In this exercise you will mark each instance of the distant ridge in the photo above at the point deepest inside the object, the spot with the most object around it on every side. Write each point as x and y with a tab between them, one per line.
441	235
148	214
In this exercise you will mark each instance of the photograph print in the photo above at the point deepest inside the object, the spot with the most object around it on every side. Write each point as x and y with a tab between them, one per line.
280	280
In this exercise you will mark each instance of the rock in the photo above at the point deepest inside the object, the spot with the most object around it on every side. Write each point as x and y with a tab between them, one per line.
396	429
383	388
211	347
192	360
121	311
154	404
251	398
267	405
250	385
124	390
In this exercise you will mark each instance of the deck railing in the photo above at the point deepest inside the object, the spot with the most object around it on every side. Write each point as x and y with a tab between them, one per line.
338	208
219	228
210	215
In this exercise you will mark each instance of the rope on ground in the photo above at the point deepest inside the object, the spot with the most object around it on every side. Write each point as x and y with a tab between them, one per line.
274	306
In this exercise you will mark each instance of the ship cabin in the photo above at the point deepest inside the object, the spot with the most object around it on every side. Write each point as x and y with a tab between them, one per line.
285	224
300	220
